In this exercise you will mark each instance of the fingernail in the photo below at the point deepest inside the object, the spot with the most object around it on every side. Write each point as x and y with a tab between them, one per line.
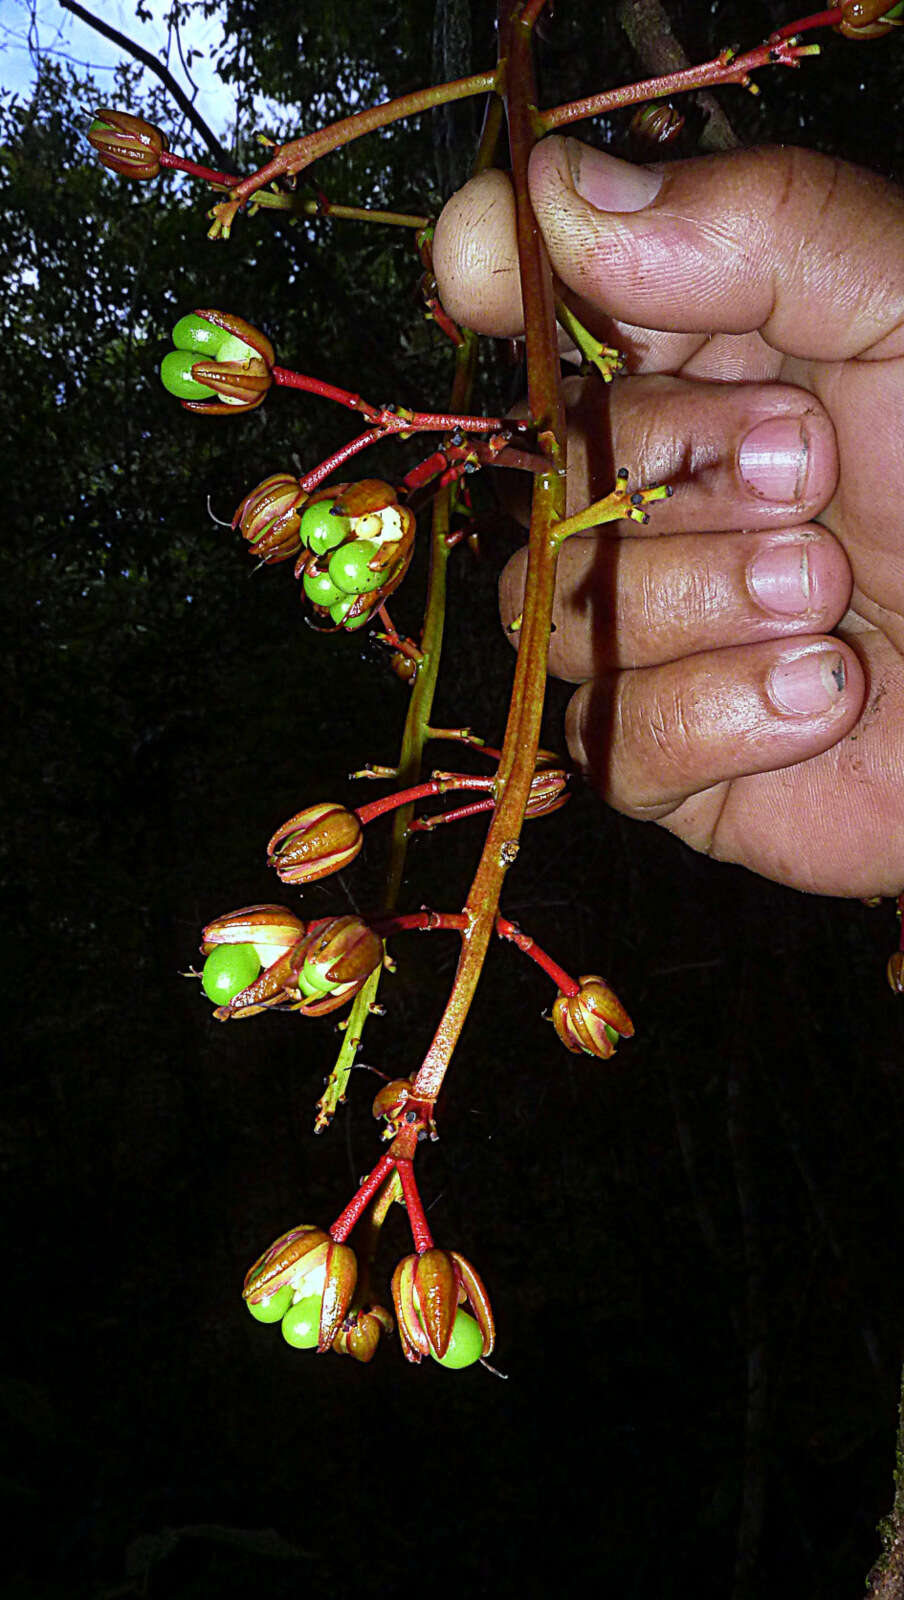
610	184
779	579
772	459
808	684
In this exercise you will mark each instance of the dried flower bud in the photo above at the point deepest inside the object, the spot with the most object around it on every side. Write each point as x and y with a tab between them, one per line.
360	1333
657	124
548	792
321	839
333	962
402	1108
591	1020
217	353
269	517
126	144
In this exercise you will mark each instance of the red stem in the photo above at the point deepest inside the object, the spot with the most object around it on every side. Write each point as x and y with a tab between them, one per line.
427	824
327	391
319	474
418	921
344	1223
819	19
227	179
420	791
420	1233
562	980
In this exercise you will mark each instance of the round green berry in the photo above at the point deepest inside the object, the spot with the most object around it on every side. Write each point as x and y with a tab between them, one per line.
232	348
197	334
301	1323
175	375
465	1345
350	569
312	981
274	1309
321	529
229	969
351	623
341	608
320	589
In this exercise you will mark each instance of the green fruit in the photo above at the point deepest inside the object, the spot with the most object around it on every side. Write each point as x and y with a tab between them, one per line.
321	530
465	1345
197	334
350	569
355	622
232	348
274	1309
175	375
340	610
320	589
229	969
301	1323
312	981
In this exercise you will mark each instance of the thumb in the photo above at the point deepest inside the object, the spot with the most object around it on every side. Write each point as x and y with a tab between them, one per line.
803	248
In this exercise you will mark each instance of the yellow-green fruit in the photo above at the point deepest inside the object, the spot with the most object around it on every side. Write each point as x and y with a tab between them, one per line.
466	1344
301	1323
272	1310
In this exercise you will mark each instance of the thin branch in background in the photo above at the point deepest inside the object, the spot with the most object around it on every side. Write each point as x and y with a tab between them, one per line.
205	133
650	35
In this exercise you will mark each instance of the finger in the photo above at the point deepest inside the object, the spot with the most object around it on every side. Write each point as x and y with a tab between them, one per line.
653	739
735	455
803	248
475	257
642	602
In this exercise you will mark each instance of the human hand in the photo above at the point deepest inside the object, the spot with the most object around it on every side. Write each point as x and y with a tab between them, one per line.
759	298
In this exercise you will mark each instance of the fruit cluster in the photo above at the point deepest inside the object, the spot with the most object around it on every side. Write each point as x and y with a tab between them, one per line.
357	543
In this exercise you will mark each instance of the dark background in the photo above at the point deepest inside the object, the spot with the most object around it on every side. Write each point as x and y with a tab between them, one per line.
693	1252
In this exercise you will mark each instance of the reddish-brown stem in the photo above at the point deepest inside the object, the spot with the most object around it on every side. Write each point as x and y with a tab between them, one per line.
819	19
346	1220
562	980
518	764
388	420
226	180
319	474
720	70
327	391
427	824
300	153
531	12
420	791
418	921
420	1233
